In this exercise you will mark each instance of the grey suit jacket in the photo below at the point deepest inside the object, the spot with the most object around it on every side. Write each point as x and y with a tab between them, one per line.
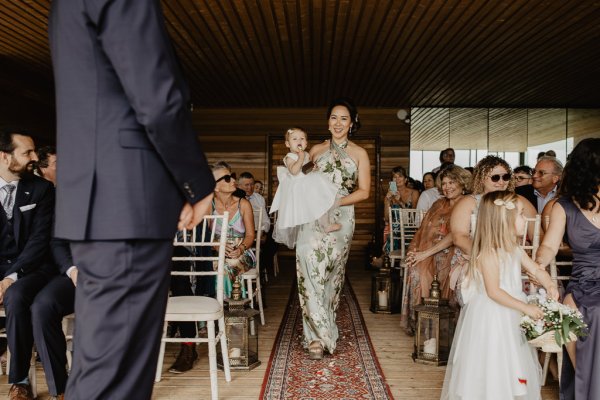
129	157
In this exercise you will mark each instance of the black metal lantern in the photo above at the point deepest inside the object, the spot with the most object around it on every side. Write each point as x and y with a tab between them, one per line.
242	335
386	294
435	328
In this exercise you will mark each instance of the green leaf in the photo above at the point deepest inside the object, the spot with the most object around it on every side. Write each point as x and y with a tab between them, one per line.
557	337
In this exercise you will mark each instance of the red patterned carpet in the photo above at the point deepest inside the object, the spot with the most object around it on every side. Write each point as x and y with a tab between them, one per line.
353	372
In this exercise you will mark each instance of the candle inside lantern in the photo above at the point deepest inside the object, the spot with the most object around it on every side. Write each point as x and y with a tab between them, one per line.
234	352
383	298
429	346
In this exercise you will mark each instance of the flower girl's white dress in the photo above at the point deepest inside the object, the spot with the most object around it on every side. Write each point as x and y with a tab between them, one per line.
490	358
300	199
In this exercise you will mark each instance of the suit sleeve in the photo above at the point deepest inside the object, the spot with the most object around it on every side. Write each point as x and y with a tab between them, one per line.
61	254
134	38
35	251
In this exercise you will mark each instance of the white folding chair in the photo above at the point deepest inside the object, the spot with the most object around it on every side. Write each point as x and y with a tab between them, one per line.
202	308
32	377
531	244
252	276
405	222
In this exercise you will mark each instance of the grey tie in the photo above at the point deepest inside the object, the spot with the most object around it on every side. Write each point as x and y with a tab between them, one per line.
7	199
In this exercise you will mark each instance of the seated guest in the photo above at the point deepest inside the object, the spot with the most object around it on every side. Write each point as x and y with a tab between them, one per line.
246	183
522	175
546	175
258	187
431	249
268	245
46	164
25	264
241	233
55	300
428	180
399	195
431	195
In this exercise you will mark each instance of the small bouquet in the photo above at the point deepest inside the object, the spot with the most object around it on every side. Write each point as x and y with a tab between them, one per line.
560	325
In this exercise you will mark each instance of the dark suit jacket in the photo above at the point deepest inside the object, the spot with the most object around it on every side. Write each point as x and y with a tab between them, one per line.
129	157
527	192
32	224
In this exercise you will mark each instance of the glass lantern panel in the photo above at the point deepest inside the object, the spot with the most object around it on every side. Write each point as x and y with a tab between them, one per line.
235	338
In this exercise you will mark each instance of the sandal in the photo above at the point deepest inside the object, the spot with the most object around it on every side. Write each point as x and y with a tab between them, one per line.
315	350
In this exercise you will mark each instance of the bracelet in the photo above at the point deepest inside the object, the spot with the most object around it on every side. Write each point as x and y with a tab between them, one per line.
242	244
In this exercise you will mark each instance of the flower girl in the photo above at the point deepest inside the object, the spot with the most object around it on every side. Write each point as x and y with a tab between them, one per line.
300	197
490	357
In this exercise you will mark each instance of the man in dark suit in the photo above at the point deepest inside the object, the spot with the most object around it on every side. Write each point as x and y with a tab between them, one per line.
25	226
130	168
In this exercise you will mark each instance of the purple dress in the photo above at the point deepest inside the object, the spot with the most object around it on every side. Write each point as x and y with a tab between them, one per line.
584	239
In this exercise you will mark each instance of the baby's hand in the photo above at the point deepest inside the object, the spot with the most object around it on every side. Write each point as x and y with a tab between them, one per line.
534	311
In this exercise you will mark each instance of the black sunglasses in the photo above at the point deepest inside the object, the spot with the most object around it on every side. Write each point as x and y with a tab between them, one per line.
226	178
496	178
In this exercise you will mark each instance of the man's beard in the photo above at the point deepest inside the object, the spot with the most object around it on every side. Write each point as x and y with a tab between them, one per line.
21	170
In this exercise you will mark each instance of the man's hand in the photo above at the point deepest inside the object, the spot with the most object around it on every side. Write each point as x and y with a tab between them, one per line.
73	276
4	284
192	215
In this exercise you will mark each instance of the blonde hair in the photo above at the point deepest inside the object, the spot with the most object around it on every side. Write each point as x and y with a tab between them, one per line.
292	130
495	231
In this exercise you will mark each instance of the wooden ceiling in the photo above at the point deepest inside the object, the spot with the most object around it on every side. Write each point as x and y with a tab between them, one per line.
383	53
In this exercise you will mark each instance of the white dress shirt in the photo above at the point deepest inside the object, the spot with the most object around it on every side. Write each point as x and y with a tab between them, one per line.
258	203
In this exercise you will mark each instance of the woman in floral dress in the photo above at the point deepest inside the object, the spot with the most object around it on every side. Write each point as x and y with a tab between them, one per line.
321	257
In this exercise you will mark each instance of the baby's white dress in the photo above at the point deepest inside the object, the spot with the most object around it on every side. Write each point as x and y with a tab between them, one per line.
490	357
300	199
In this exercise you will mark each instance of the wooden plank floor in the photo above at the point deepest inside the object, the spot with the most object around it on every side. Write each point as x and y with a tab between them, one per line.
406	379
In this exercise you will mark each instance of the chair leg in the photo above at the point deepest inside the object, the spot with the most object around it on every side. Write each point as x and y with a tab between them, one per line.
404	288
559	359
161	354
547	357
259	299
224	350
275	265
212	360
32	376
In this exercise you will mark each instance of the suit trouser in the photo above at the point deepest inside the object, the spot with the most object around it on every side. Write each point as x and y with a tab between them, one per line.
51	304
120	303
19	332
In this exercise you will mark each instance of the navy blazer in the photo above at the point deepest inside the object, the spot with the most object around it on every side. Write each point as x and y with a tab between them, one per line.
527	192
32	225
129	157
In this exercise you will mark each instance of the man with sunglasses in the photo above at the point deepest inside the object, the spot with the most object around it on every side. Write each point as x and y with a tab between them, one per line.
545	176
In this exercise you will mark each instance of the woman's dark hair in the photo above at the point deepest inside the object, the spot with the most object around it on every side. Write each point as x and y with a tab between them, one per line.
581	175
349	104
526	169
399	171
433	175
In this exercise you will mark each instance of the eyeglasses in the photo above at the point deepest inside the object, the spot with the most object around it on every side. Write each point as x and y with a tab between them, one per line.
522	178
535	172
496	178
226	178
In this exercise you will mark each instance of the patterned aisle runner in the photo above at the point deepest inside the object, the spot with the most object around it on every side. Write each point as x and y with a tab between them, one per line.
353	372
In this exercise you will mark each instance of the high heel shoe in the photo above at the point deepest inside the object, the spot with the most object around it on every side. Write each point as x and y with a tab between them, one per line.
315	350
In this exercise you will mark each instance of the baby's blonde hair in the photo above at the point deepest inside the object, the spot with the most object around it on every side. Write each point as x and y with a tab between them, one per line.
291	130
495	231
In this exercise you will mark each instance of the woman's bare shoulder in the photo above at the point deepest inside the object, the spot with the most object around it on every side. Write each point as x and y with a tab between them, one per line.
319	148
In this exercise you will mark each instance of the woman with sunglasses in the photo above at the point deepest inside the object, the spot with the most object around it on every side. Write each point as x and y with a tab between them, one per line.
491	174
238	256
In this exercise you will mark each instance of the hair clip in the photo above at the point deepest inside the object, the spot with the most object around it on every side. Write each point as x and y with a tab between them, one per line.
508	204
